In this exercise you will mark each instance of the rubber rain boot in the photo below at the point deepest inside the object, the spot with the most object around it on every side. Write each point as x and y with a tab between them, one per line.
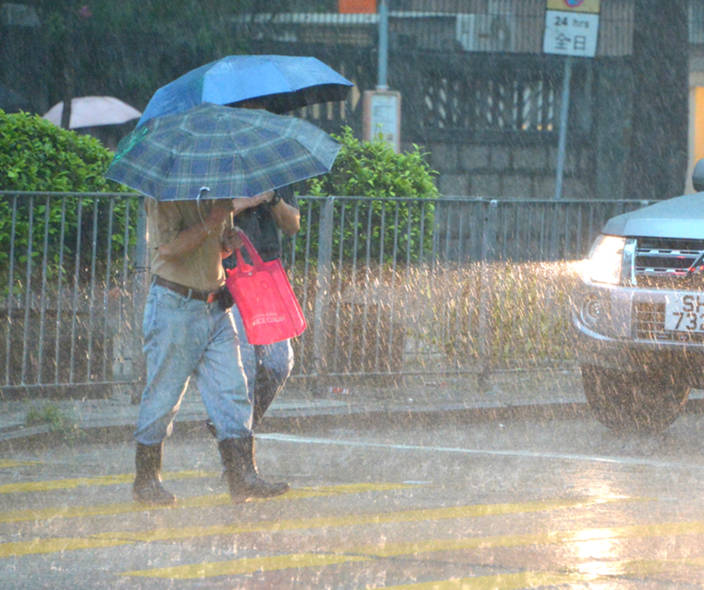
241	473
147	487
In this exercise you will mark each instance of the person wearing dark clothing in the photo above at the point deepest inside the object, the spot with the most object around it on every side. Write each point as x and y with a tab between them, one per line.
267	367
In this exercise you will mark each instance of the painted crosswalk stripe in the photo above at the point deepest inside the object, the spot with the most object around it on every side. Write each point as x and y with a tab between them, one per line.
192	502
9	463
394	550
117	538
538	579
510	581
100	480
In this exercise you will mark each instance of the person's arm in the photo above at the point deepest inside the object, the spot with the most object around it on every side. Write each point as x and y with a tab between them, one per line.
192	237
286	216
231	239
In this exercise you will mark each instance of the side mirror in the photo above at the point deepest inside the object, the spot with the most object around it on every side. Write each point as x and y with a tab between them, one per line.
698	176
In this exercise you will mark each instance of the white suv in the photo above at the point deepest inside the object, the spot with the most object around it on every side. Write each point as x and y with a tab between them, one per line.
639	313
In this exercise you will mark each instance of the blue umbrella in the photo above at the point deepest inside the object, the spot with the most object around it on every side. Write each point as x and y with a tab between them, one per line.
279	83
220	152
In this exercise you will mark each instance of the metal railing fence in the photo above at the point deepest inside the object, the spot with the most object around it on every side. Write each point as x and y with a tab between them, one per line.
68	285
390	287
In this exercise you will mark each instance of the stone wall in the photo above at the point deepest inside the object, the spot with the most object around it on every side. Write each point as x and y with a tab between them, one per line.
519	171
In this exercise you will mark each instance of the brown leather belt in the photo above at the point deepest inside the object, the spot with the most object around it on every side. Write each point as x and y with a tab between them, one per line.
207	296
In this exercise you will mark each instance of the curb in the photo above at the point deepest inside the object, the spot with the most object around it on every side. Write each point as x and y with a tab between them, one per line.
294	421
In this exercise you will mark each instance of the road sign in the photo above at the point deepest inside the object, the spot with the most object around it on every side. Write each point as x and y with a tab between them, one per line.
571	27
382	115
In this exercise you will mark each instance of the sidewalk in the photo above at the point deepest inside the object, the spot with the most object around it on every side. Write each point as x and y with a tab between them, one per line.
544	392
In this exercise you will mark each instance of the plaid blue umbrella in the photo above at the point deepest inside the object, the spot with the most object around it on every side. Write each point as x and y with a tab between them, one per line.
229	152
279	83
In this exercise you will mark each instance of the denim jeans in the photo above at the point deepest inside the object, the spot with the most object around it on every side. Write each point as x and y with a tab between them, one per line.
186	338
267	367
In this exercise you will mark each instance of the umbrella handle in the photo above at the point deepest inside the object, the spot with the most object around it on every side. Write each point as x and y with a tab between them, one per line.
203	190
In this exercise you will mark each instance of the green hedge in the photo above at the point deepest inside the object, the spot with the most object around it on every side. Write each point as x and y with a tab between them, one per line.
36	155
374	169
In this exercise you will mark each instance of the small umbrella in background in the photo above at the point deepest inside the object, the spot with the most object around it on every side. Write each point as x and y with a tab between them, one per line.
93	111
220	152
279	83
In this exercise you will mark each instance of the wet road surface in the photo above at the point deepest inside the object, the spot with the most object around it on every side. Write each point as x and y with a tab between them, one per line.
521	504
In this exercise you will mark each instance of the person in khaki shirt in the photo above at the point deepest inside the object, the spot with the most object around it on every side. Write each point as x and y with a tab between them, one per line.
189	332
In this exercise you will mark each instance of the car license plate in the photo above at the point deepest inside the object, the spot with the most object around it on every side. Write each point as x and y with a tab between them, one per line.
685	313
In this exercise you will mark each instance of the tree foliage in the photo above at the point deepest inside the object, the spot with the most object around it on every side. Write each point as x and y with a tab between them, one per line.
374	226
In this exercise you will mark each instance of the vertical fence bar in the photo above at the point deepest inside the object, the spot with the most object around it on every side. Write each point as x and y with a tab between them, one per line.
42	297
367	274
106	291
421	246
488	257
322	289
10	291
76	276
377	325
28	292
355	246
338	365
91	300
392	310
126	356
59	292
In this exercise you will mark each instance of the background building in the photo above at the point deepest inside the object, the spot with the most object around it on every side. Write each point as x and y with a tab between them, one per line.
477	91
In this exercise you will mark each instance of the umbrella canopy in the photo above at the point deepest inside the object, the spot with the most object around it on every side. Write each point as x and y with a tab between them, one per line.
93	111
280	83
229	152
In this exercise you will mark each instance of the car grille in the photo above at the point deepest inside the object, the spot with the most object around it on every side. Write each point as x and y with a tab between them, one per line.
649	324
662	263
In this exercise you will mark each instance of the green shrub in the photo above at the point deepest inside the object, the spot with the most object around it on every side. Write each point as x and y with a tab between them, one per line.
36	155
374	169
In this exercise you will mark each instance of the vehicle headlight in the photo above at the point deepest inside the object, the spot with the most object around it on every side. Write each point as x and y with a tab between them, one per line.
605	260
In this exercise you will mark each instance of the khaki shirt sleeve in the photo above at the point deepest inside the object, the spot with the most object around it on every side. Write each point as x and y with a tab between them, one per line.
167	222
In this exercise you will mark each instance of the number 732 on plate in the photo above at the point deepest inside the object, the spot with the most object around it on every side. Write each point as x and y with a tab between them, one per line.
685	313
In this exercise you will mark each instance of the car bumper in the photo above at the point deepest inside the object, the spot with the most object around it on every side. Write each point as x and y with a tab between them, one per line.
610	332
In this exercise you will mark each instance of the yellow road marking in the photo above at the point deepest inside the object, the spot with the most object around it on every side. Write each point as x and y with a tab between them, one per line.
101	480
373	552
7	463
193	502
537	579
248	565
514	581
50	545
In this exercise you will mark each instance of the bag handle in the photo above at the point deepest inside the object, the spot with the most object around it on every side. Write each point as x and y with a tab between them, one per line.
251	250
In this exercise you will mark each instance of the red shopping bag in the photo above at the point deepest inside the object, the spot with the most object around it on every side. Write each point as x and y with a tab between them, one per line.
263	294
